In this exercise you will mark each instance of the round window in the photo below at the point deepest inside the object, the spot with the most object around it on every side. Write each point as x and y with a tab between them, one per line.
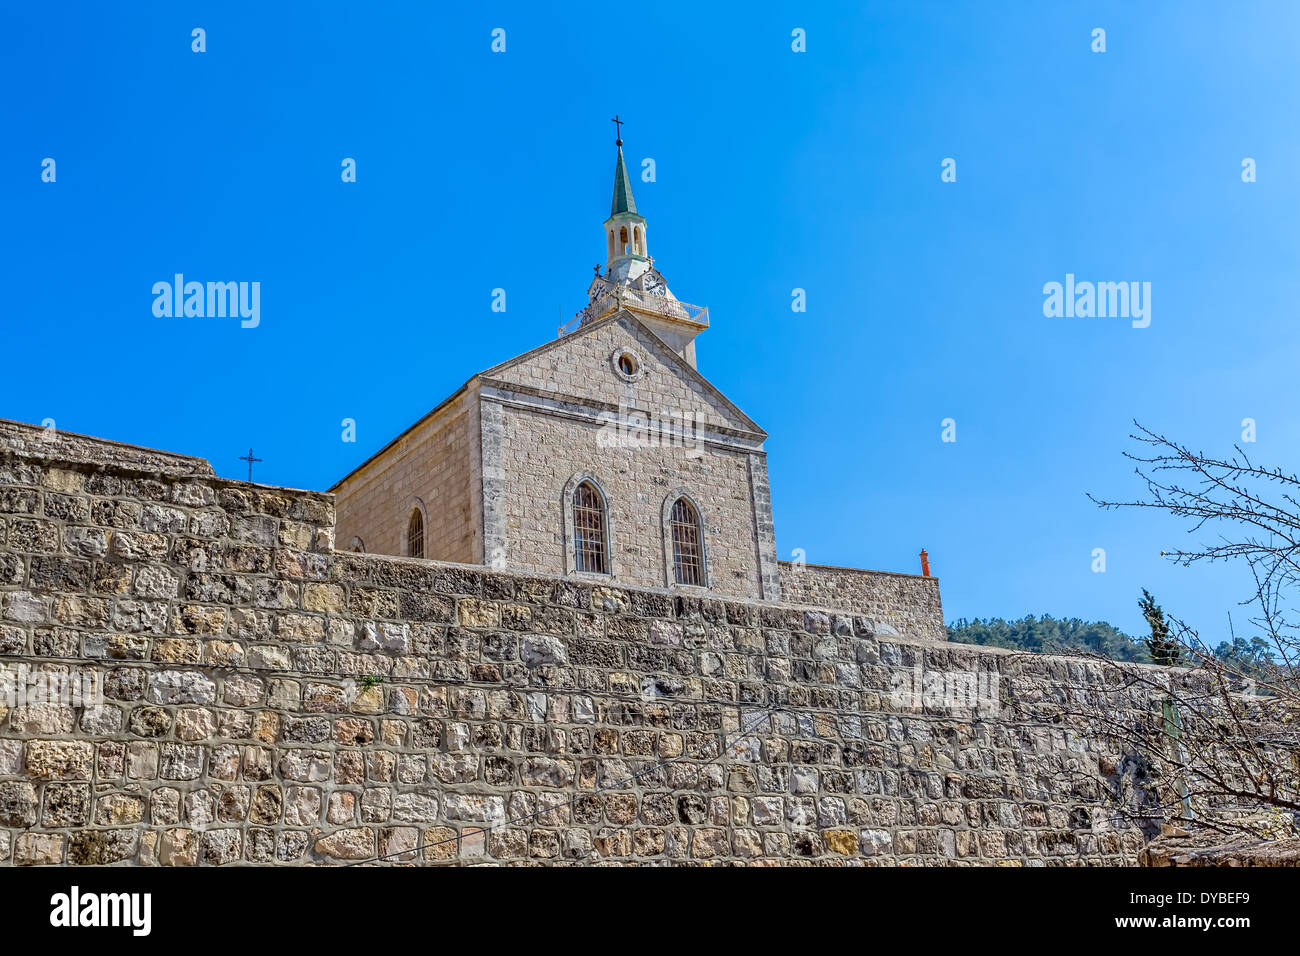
626	364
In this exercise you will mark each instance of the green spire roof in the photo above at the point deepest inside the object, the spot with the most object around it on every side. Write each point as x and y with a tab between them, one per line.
623	201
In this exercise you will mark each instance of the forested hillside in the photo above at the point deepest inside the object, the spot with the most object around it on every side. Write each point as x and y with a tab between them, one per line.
1050	635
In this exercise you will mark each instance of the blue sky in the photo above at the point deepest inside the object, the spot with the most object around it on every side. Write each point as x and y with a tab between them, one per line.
775	170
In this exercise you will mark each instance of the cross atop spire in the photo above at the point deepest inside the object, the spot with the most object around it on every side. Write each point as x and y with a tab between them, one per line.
618	124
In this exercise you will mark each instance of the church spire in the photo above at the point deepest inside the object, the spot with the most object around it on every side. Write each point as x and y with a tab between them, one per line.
623	201
625	228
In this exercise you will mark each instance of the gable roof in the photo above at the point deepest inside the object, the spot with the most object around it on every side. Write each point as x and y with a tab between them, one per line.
664	352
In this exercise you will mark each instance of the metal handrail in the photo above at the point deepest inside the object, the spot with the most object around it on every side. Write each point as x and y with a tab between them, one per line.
670	308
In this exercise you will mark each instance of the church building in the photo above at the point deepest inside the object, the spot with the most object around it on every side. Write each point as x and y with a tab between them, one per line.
603	454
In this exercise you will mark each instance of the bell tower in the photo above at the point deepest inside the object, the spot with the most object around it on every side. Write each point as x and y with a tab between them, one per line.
625	239
630	280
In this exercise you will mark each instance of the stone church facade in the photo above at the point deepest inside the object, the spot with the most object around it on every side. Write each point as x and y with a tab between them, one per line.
603	454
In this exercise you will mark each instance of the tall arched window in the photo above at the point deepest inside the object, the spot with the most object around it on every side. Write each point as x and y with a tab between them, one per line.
589	544
415	534
688	555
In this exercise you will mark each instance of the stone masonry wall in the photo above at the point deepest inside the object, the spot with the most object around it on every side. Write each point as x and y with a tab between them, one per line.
899	603
433	463
545	452
268	700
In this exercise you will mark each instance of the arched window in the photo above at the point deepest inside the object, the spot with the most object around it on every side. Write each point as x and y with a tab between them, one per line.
415	534
688	555
589	544
358	545
622	241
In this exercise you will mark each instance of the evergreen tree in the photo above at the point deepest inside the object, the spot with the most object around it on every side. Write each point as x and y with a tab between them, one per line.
1163	649
1251	659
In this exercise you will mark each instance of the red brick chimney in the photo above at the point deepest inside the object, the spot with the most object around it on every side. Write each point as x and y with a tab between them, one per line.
925	563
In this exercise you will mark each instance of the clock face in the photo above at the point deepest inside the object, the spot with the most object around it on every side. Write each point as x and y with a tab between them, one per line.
654	283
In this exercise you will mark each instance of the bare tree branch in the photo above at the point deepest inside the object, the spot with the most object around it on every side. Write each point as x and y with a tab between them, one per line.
1225	728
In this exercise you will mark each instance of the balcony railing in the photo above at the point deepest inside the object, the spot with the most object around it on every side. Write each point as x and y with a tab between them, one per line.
697	315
